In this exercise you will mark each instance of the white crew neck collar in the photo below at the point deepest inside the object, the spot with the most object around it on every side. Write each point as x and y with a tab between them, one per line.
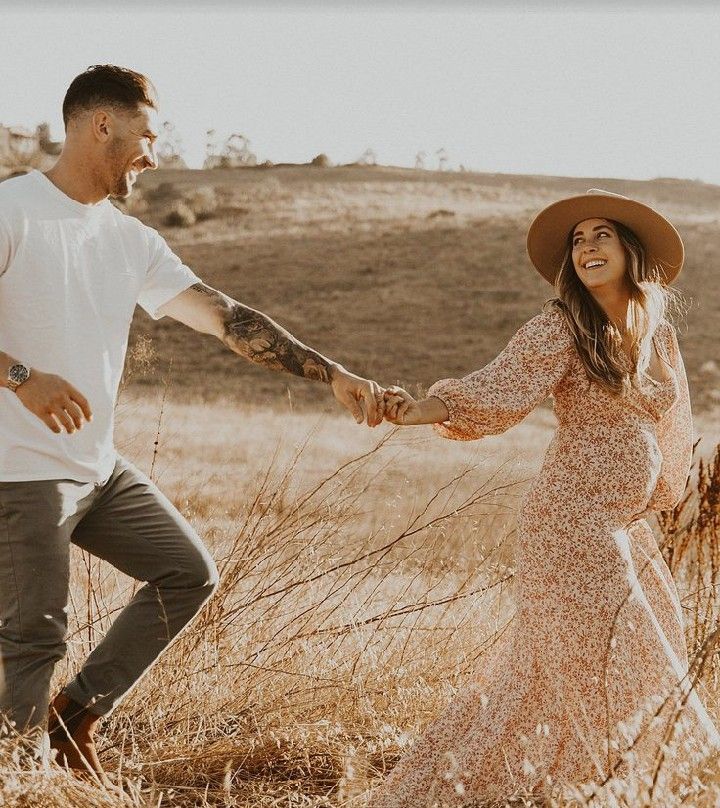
83	209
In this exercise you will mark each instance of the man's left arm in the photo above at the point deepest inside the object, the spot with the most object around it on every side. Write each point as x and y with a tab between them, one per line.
259	339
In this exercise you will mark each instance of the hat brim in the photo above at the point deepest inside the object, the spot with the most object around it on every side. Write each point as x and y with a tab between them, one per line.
548	235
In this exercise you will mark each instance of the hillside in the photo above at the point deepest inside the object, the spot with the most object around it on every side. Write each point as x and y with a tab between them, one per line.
403	275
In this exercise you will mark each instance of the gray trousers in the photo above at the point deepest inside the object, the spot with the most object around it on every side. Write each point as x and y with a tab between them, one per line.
128	522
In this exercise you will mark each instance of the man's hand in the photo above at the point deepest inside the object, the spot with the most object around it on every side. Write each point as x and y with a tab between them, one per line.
362	397
55	402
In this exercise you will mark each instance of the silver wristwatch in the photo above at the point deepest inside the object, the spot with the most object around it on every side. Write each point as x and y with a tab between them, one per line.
17	375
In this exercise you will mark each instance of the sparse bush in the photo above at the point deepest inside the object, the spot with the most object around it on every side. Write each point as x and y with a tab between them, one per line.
165	192
321	161
140	360
202	202
182	208
180	215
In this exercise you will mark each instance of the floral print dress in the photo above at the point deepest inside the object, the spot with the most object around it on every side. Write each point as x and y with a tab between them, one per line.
598	630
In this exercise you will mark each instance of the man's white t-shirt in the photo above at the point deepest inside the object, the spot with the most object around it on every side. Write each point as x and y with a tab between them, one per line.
70	277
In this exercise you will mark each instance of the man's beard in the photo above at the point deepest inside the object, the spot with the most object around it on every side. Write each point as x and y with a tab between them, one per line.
120	187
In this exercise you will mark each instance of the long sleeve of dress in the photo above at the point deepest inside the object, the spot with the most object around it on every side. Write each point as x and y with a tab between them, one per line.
499	395
674	434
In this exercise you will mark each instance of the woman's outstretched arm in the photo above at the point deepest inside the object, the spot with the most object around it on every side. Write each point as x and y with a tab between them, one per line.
499	395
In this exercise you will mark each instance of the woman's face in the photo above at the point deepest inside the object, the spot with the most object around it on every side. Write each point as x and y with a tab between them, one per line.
598	255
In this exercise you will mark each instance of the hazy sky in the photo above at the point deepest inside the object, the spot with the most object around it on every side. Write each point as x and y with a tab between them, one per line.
594	91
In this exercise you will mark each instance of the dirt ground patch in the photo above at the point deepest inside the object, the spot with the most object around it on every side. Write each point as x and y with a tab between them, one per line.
405	276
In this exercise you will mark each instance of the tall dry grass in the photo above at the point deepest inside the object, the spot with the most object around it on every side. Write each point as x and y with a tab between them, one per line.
364	575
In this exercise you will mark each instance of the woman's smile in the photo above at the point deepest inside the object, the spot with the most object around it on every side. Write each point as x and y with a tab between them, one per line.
594	263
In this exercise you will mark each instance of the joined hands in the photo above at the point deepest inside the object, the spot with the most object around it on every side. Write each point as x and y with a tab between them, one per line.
402	409
368	401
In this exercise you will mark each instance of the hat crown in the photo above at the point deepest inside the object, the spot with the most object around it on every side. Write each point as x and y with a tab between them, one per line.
605	193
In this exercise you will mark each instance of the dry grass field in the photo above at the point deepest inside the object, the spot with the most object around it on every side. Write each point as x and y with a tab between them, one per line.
364	572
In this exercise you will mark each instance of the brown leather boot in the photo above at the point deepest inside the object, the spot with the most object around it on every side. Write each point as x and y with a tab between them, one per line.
71	728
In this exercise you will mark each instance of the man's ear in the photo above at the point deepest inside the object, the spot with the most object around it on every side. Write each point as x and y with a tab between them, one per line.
101	125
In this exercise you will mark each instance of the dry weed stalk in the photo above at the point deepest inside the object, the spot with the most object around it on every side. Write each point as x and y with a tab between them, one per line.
691	546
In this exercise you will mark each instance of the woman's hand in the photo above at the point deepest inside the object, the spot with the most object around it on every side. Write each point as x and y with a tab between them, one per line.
400	407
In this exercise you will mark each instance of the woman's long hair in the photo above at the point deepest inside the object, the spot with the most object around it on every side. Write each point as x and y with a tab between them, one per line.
598	340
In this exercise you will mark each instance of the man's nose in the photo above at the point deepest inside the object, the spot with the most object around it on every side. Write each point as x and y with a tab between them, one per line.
153	157
150	157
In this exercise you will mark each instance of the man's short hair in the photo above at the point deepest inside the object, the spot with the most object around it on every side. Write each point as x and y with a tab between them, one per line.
109	85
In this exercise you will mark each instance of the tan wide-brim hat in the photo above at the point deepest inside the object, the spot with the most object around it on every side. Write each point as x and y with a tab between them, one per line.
548	235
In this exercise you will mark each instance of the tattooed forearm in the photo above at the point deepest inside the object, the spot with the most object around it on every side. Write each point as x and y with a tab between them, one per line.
247	332
256	337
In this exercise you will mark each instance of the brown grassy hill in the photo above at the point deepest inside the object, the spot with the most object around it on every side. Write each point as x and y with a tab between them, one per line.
403	275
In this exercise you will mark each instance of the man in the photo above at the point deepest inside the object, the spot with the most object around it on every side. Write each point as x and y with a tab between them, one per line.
72	269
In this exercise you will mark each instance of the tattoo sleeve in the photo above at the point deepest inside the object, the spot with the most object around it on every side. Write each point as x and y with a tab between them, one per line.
256	337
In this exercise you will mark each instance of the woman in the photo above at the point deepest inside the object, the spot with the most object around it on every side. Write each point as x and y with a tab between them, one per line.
597	634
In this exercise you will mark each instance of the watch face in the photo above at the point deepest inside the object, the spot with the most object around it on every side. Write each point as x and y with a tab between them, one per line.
18	374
